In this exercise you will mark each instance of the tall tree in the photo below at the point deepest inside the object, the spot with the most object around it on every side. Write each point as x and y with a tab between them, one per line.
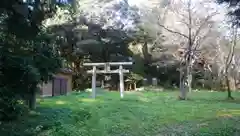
192	25
26	58
226	61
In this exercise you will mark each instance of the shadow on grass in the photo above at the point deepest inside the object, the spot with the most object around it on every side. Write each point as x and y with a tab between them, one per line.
235	101
227	126
43	120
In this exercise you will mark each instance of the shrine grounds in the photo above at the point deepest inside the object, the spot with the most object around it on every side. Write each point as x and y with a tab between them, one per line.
137	114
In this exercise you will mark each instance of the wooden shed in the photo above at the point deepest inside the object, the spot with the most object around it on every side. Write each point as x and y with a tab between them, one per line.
61	84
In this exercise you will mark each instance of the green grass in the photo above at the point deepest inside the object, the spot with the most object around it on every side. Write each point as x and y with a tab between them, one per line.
138	114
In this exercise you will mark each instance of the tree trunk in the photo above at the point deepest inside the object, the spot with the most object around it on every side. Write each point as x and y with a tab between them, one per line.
232	83
189	78
229	61
183	94
102	83
190	48
107	81
228	87
32	101
135	86
32	98
236	81
146	54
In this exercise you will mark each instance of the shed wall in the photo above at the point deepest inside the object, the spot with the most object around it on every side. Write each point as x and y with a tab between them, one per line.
69	80
47	88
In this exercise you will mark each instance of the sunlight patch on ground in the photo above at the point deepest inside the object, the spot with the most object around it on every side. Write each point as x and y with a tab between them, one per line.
20	101
87	100
224	115
88	90
60	102
34	113
38	100
228	113
143	99
202	125
134	93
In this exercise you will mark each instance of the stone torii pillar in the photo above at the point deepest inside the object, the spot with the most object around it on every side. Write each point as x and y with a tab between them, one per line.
94	75
121	80
107	69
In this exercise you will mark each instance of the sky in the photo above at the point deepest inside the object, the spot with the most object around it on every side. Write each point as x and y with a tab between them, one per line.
136	2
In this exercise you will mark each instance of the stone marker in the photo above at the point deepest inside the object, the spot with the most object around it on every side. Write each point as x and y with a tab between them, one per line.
154	82
145	82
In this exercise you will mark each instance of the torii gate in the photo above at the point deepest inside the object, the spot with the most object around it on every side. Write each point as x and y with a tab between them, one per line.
107	69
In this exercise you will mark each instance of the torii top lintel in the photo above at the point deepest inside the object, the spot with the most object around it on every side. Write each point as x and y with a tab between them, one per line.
108	63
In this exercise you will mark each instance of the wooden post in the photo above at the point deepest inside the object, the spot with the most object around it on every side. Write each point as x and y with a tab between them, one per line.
121	80
94	82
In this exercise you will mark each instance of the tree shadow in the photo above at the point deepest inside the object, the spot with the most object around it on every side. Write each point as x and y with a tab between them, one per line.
210	127
43	120
235	101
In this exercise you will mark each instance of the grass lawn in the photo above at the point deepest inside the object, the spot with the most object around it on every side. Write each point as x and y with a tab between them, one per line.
138	114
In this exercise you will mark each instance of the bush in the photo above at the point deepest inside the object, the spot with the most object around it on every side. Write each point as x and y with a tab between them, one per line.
10	107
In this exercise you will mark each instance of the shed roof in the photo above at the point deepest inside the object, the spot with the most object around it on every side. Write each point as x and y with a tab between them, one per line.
66	70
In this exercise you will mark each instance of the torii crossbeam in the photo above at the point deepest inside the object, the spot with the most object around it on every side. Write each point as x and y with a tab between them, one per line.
107	69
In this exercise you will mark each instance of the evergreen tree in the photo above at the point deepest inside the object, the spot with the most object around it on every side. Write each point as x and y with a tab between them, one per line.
28	55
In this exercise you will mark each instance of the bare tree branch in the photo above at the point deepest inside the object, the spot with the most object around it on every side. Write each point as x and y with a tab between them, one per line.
232	51
205	21
172	31
200	40
185	22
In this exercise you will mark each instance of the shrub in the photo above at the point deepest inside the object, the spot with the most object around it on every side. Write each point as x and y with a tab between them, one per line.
10	107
